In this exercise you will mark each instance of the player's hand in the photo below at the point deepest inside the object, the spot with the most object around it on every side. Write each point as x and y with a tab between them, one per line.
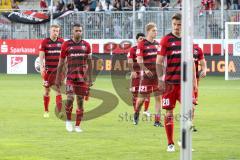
203	74
148	73
133	75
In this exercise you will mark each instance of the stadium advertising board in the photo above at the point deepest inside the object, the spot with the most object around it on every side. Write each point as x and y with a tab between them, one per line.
103	63
106	64
110	46
16	64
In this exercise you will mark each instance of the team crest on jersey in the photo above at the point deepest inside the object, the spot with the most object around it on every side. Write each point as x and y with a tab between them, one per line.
83	47
59	45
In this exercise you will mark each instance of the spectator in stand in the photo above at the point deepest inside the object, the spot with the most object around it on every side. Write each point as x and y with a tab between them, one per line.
164	4
228	3
92	5
207	5
81	4
15	6
70	6
141	10
60	6
235	4
127	6
99	7
109	7
49	2
117	5
86	8
43	5
178	3
217	4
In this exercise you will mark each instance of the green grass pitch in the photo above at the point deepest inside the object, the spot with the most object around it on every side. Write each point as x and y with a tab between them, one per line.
26	135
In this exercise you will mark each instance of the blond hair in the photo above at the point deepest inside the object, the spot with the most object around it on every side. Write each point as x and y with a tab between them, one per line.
54	26
149	26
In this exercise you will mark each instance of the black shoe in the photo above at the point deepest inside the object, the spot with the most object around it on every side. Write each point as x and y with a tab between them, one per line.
194	129
136	118
158	124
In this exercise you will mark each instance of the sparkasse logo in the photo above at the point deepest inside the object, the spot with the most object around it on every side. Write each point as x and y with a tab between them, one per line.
4	47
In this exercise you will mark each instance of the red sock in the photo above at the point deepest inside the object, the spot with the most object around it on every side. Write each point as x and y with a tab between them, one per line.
59	102
169	125
69	112
79	115
157	117
46	100
134	100
146	104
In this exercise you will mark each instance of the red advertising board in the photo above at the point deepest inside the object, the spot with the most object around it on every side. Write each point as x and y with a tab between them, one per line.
117	46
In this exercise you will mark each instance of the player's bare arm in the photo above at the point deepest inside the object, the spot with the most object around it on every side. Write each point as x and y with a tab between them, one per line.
159	69
59	71
89	71
143	67
41	57
203	65
195	87
130	64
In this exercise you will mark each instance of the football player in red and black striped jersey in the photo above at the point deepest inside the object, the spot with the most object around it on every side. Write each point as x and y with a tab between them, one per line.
199	59
170	50
146	53
50	49
77	53
135	75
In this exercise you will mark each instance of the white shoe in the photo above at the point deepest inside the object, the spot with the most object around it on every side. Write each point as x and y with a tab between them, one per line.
171	148
147	113
69	126
78	129
46	115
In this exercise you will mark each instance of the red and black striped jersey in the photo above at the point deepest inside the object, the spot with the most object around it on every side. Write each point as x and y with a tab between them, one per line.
148	50
207	4
52	51
132	55
77	55
170	47
197	56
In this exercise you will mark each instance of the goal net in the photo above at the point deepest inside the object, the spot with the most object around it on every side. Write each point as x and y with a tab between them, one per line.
232	50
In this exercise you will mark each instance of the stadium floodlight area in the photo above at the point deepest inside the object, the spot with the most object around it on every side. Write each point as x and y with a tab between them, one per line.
232	50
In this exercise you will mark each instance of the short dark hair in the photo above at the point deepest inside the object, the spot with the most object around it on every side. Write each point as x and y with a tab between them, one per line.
177	16
140	35
77	25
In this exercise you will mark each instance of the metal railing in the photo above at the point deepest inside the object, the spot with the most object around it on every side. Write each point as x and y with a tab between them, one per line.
118	25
